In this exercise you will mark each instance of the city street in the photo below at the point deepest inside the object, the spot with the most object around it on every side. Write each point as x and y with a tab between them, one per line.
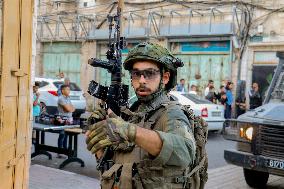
222	61
221	175
215	147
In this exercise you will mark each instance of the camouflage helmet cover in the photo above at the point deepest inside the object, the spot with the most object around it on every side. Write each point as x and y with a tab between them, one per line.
158	54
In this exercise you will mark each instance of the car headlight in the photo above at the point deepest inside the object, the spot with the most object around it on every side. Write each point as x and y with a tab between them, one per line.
238	131
246	132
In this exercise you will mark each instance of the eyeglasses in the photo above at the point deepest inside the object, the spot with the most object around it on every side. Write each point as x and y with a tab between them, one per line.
148	74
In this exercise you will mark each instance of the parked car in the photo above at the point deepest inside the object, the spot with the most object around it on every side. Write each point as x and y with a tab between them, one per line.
48	96
212	113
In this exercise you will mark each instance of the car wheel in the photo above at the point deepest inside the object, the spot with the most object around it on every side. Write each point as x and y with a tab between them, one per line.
256	179
43	109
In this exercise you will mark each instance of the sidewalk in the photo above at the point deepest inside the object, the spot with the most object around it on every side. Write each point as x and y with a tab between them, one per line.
231	177
228	177
42	177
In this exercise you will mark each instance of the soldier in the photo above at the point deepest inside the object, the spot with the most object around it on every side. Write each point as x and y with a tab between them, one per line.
155	147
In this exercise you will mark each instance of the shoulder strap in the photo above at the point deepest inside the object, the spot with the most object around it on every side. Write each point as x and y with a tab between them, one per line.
158	112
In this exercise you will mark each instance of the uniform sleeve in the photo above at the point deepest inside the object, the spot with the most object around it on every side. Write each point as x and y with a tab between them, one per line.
178	140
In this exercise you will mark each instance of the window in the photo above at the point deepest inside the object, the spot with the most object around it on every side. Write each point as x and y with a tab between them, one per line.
85	4
173	98
73	86
42	84
197	99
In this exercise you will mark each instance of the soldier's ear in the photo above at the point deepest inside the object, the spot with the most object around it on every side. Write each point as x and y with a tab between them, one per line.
166	77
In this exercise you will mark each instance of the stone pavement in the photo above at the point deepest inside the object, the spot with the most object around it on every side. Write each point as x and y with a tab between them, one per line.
231	177
227	177
42	177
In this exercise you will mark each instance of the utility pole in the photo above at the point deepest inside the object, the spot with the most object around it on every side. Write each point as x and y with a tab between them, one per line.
121	4
120	8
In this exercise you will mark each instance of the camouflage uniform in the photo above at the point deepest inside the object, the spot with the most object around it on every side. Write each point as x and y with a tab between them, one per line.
134	167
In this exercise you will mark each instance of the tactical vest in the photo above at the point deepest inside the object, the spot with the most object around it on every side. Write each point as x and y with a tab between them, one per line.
134	168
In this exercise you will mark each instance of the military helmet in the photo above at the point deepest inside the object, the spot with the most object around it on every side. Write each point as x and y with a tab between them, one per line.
158	54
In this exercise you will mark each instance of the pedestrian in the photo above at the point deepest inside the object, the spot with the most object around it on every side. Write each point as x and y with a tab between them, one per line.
181	86
240	106
155	146
193	89
36	108
65	109
255	99
221	92
36	102
60	75
230	100
66	82
223	98
209	92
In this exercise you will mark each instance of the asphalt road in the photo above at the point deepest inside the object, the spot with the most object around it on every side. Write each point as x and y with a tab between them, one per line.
215	149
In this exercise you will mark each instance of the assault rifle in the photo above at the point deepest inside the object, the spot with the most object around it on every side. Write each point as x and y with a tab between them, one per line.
115	95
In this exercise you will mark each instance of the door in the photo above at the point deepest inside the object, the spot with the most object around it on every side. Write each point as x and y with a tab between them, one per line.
62	57
15	62
203	61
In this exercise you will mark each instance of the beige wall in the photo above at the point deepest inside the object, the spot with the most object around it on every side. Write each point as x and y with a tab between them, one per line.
272	32
87	72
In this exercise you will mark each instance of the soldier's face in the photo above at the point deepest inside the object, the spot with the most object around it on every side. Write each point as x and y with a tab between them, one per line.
146	77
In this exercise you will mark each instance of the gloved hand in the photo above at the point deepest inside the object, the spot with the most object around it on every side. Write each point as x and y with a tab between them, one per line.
97	115
111	131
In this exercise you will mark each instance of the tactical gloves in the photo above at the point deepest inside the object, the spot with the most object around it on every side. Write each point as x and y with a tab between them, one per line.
111	131
98	114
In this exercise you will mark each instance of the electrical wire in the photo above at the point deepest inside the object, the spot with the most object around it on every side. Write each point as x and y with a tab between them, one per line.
102	14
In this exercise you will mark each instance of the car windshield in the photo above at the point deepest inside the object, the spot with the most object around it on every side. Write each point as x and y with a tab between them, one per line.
42	83
196	99
73	86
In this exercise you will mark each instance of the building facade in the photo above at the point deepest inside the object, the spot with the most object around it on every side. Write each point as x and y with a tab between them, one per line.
218	41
